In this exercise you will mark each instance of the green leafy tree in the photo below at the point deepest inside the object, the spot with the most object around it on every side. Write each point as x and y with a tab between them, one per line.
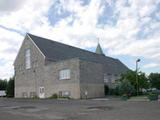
154	79
10	87
143	81
125	88
131	77
3	84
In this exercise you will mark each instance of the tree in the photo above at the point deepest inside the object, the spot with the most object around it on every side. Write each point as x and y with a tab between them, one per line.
3	84
10	87
131	77
154	79
125	88
143	81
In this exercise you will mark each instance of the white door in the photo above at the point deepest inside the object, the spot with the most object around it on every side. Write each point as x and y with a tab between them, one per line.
41	92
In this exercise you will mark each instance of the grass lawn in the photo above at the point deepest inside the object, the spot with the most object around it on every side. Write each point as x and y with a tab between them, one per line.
139	98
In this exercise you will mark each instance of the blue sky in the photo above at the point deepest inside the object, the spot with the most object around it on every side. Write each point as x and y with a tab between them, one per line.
127	29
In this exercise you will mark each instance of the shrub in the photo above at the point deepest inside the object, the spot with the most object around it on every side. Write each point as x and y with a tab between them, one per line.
156	91
153	96
35	97
64	97
54	96
125	97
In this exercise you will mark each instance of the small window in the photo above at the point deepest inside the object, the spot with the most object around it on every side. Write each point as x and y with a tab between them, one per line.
64	74
105	78
28	59
64	93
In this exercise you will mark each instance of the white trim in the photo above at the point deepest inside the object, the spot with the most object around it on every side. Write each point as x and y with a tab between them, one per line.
64	74
41	92
36	46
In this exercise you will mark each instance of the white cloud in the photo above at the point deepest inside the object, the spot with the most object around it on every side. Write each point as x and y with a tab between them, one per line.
10	43
146	48
119	39
10	5
31	15
151	65
22	16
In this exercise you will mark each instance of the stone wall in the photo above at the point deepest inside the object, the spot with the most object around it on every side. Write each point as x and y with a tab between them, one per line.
91	80
54	85
28	80
85	76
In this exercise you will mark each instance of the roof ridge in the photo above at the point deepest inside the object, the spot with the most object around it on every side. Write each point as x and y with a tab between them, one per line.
71	46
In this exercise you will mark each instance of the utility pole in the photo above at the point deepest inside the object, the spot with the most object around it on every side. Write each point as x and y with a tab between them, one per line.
138	60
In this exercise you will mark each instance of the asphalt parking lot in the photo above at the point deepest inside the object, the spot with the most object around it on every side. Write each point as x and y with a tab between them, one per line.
30	109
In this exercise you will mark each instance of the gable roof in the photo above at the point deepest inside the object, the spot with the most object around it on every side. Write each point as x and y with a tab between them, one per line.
58	51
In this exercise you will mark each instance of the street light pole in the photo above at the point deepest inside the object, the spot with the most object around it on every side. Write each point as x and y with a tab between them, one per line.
138	60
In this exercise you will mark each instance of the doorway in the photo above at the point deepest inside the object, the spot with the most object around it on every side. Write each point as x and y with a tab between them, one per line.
41	92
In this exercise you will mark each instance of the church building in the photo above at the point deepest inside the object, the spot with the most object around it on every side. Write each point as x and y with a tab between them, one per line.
45	67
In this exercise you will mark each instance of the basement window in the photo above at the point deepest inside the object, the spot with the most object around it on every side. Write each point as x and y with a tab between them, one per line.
64	93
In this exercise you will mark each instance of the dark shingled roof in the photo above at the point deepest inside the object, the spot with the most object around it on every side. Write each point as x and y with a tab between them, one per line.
57	51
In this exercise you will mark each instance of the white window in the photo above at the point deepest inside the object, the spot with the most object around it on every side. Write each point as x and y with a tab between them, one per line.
28	59
64	74
64	93
106	78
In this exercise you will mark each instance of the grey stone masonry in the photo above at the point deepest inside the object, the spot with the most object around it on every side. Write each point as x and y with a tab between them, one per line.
53	84
87	72
91	79
28	80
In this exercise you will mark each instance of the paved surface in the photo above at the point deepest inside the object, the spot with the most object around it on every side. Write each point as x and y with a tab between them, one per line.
29	109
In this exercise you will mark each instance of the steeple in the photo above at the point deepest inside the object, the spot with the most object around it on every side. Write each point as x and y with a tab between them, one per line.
99	49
